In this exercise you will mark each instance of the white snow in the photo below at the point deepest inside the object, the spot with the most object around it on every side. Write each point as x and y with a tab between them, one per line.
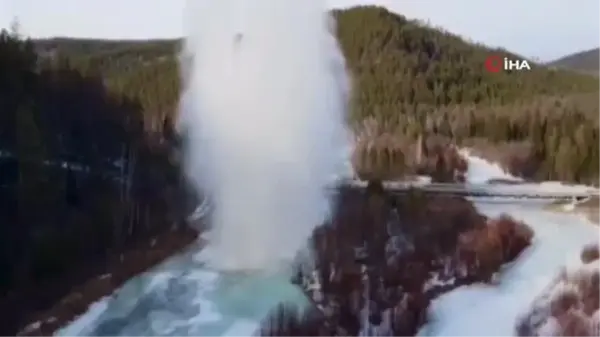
79	326
492	310
480	170
32	326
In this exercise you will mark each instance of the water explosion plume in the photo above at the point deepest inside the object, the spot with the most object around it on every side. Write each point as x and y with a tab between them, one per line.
263	110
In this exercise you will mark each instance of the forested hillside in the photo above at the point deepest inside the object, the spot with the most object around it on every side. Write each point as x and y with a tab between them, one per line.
86	165
81	179
408	79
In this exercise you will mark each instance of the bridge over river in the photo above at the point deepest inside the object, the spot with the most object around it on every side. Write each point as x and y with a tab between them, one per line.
484	192
513	191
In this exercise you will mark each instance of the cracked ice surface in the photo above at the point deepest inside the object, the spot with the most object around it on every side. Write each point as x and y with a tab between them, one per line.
182	297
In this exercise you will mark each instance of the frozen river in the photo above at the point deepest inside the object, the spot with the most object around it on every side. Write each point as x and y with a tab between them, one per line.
182	297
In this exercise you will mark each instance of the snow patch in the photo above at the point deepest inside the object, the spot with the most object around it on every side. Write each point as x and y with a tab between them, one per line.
80	326
480	171
485	310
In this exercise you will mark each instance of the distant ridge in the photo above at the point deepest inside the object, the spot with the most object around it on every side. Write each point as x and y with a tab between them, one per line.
586	61
394	61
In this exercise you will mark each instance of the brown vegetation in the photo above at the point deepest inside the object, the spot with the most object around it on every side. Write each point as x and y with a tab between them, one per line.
528	139
590	253
288	320
380	154
384	257
503	239
569	306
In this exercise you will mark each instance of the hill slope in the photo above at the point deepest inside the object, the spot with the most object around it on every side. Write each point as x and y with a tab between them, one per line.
408	78
393	60
586	61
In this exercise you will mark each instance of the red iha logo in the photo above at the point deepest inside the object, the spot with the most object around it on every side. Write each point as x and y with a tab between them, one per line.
496	64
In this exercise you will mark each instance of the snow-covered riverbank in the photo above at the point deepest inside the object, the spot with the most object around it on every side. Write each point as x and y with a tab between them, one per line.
485	310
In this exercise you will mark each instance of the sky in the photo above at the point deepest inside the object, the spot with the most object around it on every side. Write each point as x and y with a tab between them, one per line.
544	29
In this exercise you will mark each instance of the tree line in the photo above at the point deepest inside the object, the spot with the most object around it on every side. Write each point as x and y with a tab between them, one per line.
81	176
409	78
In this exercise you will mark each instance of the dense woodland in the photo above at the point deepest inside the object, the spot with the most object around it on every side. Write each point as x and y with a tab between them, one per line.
86	131
81	177
409	80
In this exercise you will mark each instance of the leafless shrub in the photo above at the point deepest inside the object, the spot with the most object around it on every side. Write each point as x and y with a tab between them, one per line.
590	252
388	154
375	259
568	307
573	323
288	319
502	240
